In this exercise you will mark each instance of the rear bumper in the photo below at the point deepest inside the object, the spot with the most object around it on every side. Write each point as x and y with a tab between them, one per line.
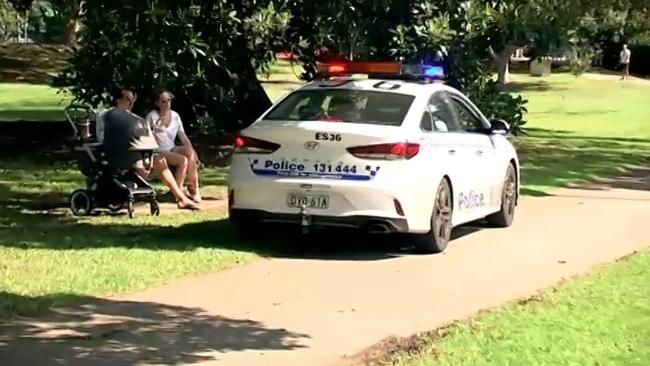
370	224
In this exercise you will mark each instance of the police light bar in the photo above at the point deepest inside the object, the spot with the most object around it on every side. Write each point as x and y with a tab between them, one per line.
387	69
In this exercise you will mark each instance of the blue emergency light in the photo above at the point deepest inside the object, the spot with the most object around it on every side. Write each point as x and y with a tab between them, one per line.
433	71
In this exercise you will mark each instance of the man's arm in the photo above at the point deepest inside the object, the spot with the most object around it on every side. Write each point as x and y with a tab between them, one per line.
100	125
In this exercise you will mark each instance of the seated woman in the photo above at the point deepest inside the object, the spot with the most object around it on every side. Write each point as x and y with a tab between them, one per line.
167	126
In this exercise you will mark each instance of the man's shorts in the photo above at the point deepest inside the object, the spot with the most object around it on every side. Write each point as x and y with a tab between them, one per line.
146	163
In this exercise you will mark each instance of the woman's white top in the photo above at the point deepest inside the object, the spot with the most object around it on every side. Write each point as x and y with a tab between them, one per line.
166	135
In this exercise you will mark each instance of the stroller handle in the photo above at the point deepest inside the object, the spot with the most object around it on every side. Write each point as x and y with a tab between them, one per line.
80	122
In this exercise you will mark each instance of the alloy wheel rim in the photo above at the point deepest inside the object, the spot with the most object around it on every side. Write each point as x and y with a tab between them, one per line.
443	214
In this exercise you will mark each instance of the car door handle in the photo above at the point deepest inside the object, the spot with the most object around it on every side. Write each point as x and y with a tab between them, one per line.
479	152
452	151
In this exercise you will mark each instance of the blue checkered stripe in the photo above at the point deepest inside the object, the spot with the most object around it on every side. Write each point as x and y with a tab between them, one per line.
258	169
372	170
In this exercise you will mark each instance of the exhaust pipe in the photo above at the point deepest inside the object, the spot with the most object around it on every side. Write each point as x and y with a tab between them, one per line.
305	220
378	228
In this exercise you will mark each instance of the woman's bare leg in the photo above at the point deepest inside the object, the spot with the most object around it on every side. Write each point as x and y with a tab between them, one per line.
192	171
180	162
160	165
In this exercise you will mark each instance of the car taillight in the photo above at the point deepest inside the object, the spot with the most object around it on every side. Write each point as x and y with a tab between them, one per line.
249	145
398	207
394	151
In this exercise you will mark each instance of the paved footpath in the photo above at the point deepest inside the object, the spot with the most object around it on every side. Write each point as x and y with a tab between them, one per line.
284	312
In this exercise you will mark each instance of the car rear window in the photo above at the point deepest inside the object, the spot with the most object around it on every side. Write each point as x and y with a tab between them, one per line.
343	105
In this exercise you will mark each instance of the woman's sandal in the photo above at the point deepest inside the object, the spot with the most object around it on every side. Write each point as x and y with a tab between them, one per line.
196	197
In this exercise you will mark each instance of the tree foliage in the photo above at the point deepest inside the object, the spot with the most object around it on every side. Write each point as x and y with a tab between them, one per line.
462	31
8	20
208	52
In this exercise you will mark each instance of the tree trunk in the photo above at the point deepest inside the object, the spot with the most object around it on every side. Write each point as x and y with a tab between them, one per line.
251	98
71	33
503	64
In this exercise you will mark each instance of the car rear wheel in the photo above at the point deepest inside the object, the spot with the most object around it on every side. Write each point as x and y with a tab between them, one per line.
504	217
436	240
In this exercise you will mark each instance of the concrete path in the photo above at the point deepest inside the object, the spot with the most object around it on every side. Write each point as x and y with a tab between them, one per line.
317	311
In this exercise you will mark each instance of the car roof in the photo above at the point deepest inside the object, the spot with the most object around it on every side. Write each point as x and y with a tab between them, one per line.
409	87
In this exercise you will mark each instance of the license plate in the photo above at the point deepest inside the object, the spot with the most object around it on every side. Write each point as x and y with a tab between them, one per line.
308	200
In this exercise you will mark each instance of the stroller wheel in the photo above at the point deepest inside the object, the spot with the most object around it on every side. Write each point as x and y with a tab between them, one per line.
154	207
115	208
130	209
81	202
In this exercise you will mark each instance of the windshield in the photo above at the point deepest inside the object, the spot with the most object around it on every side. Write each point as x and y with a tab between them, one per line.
343	105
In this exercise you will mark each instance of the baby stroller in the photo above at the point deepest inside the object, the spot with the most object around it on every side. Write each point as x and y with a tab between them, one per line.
112	182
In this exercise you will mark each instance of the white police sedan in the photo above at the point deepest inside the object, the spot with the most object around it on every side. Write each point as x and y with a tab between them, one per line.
397	152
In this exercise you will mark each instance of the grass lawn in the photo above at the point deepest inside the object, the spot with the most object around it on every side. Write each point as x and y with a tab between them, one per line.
31	102
580	128
601	319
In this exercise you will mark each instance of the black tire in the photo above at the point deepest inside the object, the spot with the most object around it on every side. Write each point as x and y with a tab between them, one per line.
436	240
506	215
115	208
81	203
130	209
154	208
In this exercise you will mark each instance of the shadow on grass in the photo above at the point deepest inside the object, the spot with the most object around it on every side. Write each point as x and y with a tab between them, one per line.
27	114
113	332
518	87
39	220
540	84
560	159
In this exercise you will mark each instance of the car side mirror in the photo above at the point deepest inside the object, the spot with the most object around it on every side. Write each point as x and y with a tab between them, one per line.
499	126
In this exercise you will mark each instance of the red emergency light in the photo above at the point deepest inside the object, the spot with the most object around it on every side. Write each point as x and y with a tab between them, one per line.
338	68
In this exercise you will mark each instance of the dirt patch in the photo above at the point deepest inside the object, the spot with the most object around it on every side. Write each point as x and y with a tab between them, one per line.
615	76
386	350
210	204
32	62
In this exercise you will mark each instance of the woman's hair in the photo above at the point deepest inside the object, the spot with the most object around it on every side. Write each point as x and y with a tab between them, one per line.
156	96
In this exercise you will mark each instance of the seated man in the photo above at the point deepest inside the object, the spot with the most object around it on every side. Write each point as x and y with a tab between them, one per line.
123	99
125	137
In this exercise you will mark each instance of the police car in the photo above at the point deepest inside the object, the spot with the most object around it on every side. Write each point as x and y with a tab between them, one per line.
396	151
